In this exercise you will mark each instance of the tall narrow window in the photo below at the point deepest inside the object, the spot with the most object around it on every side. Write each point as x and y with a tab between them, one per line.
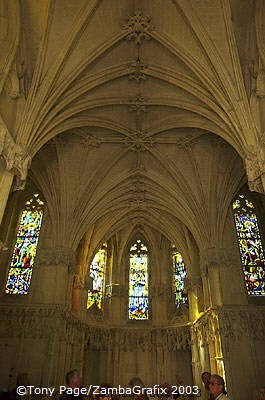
250	245
179	271
138	281
97	271
20	270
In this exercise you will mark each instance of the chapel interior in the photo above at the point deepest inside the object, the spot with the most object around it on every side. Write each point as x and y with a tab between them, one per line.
132	182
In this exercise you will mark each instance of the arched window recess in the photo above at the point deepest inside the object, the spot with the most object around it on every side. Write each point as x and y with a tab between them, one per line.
24	253
138	281
179	273
97	272
250	245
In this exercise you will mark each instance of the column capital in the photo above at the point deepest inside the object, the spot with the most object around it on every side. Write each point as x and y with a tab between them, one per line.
2	247
215	257
192	282
16	157
56	256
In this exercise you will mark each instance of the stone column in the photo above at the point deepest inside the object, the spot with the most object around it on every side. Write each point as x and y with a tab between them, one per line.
54	276
193	287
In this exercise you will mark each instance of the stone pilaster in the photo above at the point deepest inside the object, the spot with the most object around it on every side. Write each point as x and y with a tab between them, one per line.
54	276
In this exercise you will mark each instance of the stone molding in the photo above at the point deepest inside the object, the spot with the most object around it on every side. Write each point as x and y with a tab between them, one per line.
16	158
41	322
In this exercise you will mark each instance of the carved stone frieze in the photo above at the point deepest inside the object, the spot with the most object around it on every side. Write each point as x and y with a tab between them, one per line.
44	322
218	258
138	28
229	323
56	256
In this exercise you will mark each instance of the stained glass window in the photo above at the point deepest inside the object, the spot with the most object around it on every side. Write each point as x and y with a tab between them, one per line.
179	271
20	270
97	273
250	245
138	281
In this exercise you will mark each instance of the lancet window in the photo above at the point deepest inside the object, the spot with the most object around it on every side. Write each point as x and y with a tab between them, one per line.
23	257
138	281
179	271
250	245
97	272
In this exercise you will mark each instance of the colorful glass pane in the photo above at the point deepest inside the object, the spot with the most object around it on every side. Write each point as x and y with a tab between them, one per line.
250	245
179	276
23	258
97	273
138	281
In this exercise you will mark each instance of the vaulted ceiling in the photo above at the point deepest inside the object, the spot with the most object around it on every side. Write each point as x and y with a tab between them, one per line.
136	112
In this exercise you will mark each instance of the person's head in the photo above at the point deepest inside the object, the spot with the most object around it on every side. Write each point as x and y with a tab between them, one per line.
72	379
206	376
216	385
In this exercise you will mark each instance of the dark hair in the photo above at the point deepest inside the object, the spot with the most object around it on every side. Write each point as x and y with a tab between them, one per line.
220	381
69	375
205	372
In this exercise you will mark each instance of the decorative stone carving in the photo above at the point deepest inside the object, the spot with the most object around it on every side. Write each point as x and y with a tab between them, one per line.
139	141
137	69
79	281
137	104
56	256
2	247
15	155
138	28
192	282
255	167
91	141
218	258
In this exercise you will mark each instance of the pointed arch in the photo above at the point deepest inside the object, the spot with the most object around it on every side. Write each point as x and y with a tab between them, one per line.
24	253
250	245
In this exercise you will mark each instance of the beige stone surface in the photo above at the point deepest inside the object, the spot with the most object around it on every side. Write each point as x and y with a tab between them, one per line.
132	119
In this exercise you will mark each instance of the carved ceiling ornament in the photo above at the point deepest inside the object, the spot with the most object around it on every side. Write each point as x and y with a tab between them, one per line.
137	69
137	104
139	141
138	28
91	141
